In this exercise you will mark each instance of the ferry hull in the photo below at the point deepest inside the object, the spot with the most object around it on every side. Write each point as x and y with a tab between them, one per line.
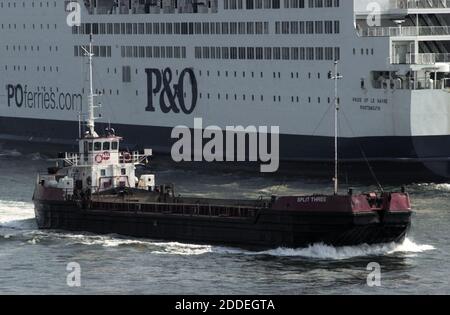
427	156
270	229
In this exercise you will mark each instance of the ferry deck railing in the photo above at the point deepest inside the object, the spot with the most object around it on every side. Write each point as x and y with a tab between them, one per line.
419	4
407	31
427	58
411	84
420	59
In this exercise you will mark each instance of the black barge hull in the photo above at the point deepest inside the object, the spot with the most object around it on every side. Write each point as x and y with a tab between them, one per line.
267	229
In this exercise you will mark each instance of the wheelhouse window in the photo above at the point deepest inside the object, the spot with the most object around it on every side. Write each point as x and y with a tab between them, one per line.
115	145
106	146
90	146
97	146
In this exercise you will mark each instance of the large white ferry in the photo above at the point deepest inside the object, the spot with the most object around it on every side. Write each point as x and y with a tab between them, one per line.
161	63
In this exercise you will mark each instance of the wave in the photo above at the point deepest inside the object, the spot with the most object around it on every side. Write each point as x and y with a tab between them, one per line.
156	247
16	215
316	251
10	153
431	187
36	156
322	251
14	153
275	189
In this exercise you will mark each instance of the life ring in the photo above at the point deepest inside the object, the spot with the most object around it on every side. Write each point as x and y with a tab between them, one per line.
99	158
127	157
106	156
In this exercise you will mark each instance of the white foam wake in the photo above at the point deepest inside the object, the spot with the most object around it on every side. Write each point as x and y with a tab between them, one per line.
16	214
408	246
10	153
155	247
434	187
317	251
36	156
321	251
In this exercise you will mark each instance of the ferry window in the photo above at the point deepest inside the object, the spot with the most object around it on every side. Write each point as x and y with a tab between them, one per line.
97	146
103	172
90	146
106	146
123	171
115	145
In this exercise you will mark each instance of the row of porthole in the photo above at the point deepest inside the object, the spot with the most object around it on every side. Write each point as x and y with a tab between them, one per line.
276	98
31	48
38	68
294	75
252	74
367	51
14	4
24	26
56	68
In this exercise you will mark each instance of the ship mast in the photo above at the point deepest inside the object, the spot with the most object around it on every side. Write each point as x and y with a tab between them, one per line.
90	121
336	76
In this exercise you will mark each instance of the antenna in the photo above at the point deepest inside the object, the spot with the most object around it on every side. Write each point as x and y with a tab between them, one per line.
336	76
79	125
90	121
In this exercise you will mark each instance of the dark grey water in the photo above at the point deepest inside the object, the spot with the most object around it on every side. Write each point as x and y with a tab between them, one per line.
33	261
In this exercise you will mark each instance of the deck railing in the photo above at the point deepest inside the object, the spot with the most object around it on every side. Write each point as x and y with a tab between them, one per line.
421	59
74	159
404	31
420	4
418	84
180	208
427	58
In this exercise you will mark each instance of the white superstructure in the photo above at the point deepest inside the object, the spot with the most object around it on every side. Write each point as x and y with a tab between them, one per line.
236	62
98	165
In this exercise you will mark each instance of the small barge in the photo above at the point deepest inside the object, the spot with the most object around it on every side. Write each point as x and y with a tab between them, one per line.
96	190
